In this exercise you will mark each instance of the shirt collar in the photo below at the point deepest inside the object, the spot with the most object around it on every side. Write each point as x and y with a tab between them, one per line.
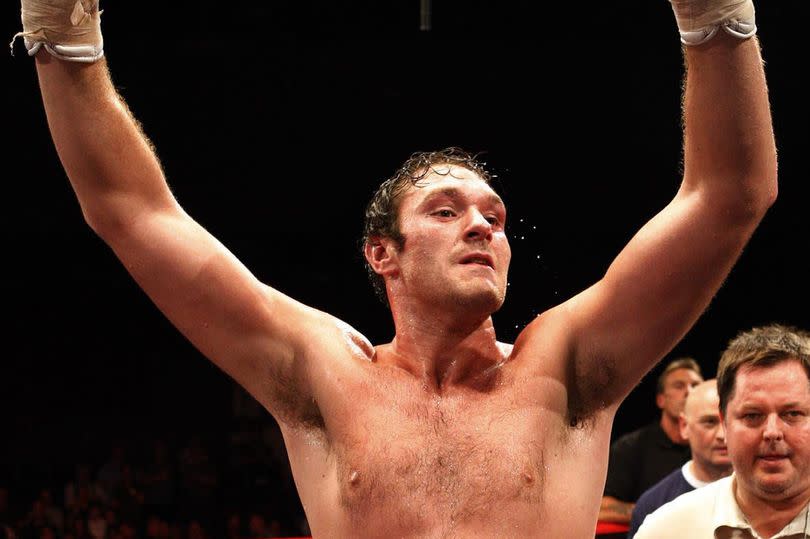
728	515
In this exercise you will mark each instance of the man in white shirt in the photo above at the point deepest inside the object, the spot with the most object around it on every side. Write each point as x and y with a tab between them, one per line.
765	405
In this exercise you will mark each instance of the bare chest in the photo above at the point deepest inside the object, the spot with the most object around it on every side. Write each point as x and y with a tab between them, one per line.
453	459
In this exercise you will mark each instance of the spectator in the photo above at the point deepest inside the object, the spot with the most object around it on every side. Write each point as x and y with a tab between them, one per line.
765	404
96	523
34	521
109	475
5	514
111	517
156	528
176	531
196	530
128	499
641	458
702	427
127	530
258	528
198	478
157	480
82	490
54	515
233	527
79	528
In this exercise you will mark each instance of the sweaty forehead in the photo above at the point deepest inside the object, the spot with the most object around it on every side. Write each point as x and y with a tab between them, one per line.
444	170
453	181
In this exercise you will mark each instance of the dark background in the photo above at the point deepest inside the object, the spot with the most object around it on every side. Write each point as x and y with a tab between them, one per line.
276	122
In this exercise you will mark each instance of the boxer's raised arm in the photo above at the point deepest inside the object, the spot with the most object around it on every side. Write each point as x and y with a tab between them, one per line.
663	280
666	276
251	331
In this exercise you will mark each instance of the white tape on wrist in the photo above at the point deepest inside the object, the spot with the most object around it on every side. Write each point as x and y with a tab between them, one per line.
699	20
68	29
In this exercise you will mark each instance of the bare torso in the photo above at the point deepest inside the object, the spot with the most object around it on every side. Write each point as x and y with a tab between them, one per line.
389	457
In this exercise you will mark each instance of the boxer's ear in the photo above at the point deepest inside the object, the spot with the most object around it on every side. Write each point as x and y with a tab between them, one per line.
381	255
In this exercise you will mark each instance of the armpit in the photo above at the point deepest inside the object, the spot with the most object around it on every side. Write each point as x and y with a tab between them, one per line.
589	389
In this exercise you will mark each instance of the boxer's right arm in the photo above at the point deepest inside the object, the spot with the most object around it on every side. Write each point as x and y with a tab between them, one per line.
252	332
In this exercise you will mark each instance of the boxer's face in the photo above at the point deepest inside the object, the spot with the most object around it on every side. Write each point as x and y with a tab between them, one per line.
455	247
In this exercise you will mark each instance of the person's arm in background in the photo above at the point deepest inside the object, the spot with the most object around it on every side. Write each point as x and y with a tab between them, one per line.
614	510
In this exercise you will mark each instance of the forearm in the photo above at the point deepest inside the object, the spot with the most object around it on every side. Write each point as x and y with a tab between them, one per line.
615	510
108	160
729	145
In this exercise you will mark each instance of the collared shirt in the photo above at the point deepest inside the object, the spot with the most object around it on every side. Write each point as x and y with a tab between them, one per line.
712	512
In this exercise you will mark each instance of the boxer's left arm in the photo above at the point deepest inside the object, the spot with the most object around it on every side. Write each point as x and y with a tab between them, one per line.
661	282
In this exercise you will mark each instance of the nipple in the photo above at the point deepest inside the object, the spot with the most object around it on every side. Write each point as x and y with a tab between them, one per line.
354	478
528	478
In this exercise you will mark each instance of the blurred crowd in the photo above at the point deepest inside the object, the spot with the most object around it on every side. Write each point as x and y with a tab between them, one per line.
175	485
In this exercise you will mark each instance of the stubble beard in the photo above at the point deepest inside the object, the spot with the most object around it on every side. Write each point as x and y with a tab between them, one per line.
484	300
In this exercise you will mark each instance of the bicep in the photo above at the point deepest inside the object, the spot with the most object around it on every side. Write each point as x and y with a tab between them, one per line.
249	330
654	291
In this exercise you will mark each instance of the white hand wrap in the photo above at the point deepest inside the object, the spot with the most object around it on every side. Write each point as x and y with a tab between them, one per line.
699	20
69	29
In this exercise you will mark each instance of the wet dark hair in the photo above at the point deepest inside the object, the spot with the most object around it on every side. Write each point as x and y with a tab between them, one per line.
382	212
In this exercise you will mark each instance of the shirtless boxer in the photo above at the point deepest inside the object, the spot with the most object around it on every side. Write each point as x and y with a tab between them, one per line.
443	432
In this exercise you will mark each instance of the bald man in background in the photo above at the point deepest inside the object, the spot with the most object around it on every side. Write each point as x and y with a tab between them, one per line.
701	426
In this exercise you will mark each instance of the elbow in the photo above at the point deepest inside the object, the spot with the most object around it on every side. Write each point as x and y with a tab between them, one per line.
93	221
750	203
105	224
772	191
763	193
763	182
113	218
